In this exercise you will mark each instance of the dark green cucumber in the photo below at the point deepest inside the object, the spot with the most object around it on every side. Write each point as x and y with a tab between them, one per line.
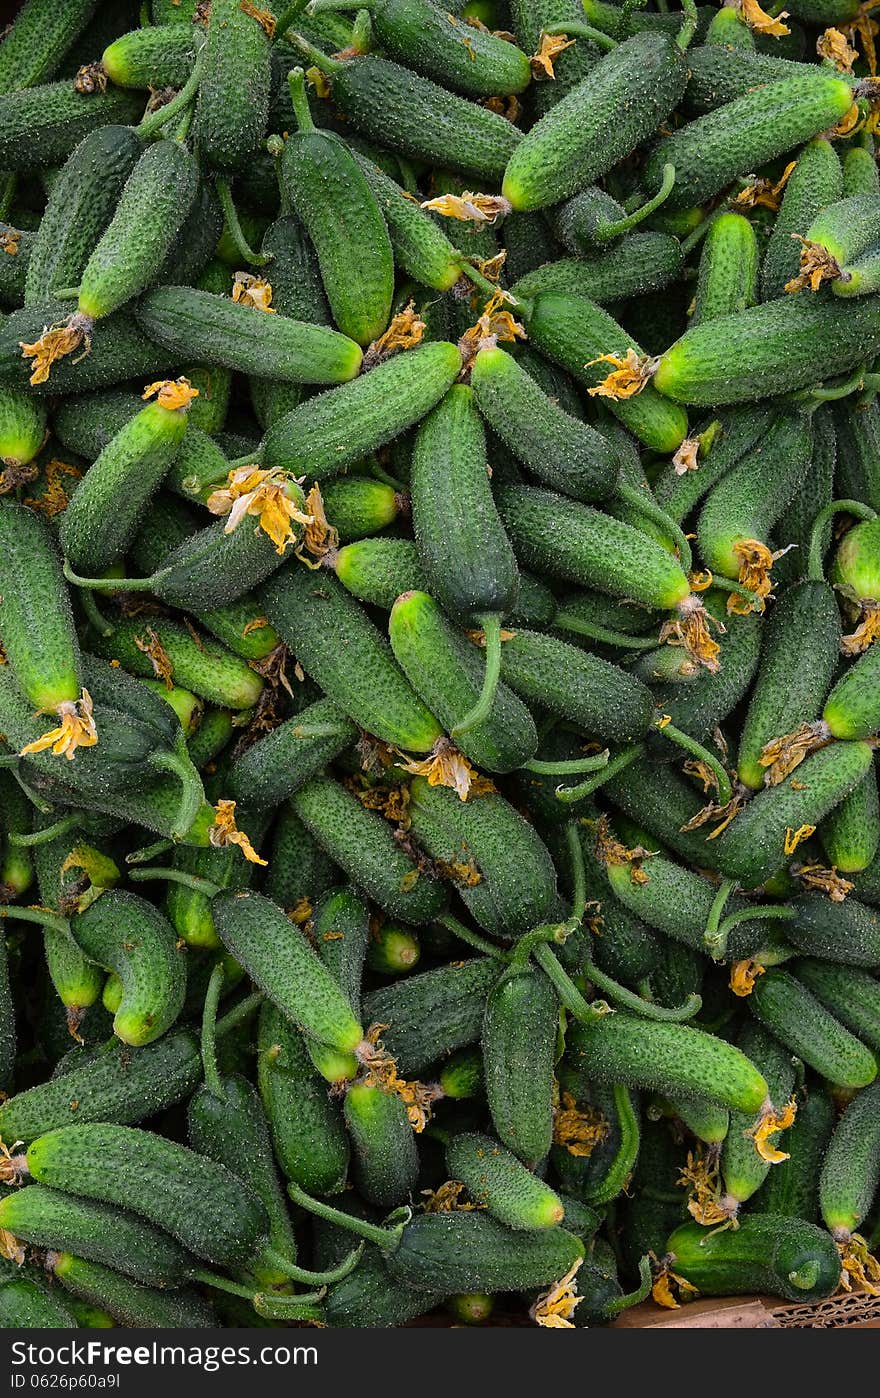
446	672
50	1218
815	182
203	327
851	1168
421	248
723	443
847	932
131	1304
233	102
370	1298
39	128
615	108
860	172
341	931
199	665
156	57
743	1168
530	20
519	1049
297	292
433	1012
498	1181
574	685
857	424
728	275
278	763
813	494
37	42
309	1138
190	909
363	843
517	884
120	351
850	834
17	246
767	1253
851	995
852	709
792	1187
385	1158
467	1252
328	433
802	1023
640	263
199	1202
564	453
27	1303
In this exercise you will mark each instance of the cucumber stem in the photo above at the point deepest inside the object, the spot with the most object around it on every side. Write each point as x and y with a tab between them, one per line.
565	987
854	384
233	223
317	7
113	584
648	507
725	888
94	615
718	949
689	744
274	1307
306	1302
39	916
148	852
606	231
544	934
732	585
689	25
629	1000
623	1303
815	569
319	59
191	790
302	1274
566	769
578	872
576	30
239	1013
594	632
209	1032
193	881
296	82
473	939
617	763
491	624
47	834
287	17
698	234
65	293
44	807
156	120
385	1238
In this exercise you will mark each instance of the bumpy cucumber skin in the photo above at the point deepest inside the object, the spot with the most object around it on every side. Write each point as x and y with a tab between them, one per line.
728	277
370	1298
339	647
792	1187
467	1252
432	1013
156	57
446	671
38	40
116	1084
742	1168
40	127
850	834
619	104
359	506
752	847
852	709
531	18
36	620
670	1058
796	1017
851	1168
860	172
19	245
772	348
211	329
26	1303
50	1218
211	569
328	433
439	46
850	994
857	426
127	1301
309	1138
280	961
79	207
497	1180
189	909
233	103
197	1201
119	351
128	936
421	248
336	204
341	930
385	1158
746	133
111	499
564	453
298	292
640	263
847	932
380	570
738	431
517	886
573	332
271	769
551	533
393	106
815	182
799	650
364	845
577	686
204	667
760	1255
462	545
519	1046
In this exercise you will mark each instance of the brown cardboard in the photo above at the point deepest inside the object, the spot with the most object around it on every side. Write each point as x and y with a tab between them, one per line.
854	1311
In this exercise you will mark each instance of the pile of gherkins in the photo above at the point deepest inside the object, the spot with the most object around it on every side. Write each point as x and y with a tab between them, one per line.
439	601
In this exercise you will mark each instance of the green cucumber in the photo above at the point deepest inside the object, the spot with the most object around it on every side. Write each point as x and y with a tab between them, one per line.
497	1180
795	1017
467	1252
433	1012
384	1154
783	1256
723	443
297	292
17	245
815	492
380	570
850	834
159	56
851	1168
847	932
640	263
728	275
298	866
27	1303
860	172
852	709
119	352
363	843
421	248
743	1168
531	19
197	664
127	1301
309	1138
232	109
576	686
370	1298
40	127
329	432
519	1049
857	423
850	994
190	909
339	647
792	1186
38	40
815	182
341	930
359	506
281	761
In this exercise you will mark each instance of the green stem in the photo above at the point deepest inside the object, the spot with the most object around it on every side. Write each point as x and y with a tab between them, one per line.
156	120
239	1013
855	383
315	56
732	585
623	1303
42	919
230	213
629	1000
473	939
698	234
114	584
302	1274
296	82
576	30
689	25
209	1032
725	888
594	632
380	474
287	18
385	1238
578	872
47	834
645	505
216	1283
539	936
815	569
718	949
565	987
317	7
489	289
191	790
622	759
94	615
163	872
568	769
44	807
606	231
491	624
618	1172
148	852
65	293
274	1307
689	744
